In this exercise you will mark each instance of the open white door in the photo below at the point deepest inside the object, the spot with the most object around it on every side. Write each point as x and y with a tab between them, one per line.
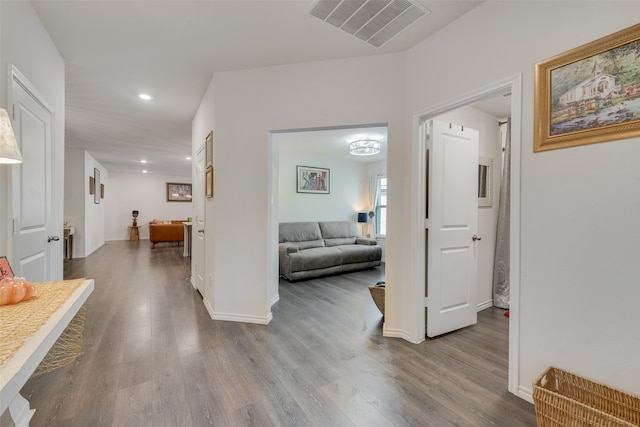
36	248
452	224
197	264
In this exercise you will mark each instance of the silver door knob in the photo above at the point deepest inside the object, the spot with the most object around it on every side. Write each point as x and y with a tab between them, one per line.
476	237
54	238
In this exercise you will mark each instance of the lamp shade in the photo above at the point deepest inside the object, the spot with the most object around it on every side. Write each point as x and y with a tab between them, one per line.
9	151
134	212
362	217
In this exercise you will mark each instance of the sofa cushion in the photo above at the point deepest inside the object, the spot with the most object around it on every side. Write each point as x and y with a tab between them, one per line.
310	244
340	241
338	232
314	259
352	254
299	232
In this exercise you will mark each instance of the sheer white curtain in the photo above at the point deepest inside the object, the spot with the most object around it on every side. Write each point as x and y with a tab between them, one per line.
373	197
501	262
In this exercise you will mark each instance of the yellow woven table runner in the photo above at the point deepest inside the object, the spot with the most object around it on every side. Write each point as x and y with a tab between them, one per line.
19	321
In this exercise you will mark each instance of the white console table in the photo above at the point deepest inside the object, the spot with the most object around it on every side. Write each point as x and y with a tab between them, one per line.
17	369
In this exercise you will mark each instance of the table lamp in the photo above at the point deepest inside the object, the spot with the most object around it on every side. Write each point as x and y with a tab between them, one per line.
362	219
135	218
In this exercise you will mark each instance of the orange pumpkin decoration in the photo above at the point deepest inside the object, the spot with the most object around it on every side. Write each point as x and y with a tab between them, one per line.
15	289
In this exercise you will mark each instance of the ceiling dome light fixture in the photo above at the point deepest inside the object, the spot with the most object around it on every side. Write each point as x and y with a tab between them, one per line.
364	147
145	96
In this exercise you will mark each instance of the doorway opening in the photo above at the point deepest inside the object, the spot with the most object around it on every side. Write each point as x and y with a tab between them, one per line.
351	178
511	86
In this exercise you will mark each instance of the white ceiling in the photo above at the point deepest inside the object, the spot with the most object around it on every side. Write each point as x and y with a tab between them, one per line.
114	50
333	143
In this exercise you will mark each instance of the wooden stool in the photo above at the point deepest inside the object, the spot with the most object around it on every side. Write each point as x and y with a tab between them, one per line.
134	234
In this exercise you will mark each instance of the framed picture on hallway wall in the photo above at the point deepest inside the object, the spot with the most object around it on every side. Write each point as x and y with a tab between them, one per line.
312	180
96	184
208	185
209	149
178	192
589	94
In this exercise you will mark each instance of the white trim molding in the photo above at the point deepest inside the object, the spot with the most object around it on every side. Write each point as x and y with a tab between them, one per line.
513	85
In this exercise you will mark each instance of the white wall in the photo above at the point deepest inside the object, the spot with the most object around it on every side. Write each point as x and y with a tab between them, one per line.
249	104
146	193
490	146
76	188
347	179
579	206
25	43
92	237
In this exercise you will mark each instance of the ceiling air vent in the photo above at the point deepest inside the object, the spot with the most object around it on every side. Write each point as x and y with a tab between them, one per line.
374	21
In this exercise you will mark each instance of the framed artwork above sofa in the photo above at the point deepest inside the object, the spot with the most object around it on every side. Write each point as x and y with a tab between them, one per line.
312	180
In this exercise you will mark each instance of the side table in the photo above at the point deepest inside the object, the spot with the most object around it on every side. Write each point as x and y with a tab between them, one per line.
68	242
134	233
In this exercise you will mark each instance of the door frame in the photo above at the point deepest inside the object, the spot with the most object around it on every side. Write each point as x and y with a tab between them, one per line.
513	85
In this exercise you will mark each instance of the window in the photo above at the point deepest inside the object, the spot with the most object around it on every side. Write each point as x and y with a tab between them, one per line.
381	207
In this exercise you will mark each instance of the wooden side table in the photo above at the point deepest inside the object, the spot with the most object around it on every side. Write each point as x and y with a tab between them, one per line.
68	242
134	234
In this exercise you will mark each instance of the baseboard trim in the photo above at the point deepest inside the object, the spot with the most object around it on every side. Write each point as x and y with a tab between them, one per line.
525	393
92	250
242	318
398	333
275	299
485	305
208	307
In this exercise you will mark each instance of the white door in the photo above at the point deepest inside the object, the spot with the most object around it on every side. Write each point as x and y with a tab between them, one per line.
198	257
36	247
452	225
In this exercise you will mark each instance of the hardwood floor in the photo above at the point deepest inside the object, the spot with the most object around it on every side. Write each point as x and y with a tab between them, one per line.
153	357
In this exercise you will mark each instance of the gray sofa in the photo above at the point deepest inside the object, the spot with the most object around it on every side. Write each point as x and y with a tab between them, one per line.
313	249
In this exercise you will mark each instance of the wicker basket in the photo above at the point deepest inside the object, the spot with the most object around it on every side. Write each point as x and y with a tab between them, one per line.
377	293
564	399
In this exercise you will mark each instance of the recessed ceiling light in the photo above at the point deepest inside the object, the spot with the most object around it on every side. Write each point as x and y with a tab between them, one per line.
144	171
188	158
145	96
143	161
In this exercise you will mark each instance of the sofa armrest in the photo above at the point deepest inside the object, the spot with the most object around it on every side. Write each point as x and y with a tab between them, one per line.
366	241
287	248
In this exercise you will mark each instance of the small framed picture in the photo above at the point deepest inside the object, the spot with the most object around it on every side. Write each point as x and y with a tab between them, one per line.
312	180
209	149
485	182
5	268
96	183
208	185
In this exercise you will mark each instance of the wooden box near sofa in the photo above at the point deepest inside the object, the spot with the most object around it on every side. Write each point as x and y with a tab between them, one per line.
314	249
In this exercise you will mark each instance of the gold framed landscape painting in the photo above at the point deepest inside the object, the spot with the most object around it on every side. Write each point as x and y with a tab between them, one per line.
589	94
